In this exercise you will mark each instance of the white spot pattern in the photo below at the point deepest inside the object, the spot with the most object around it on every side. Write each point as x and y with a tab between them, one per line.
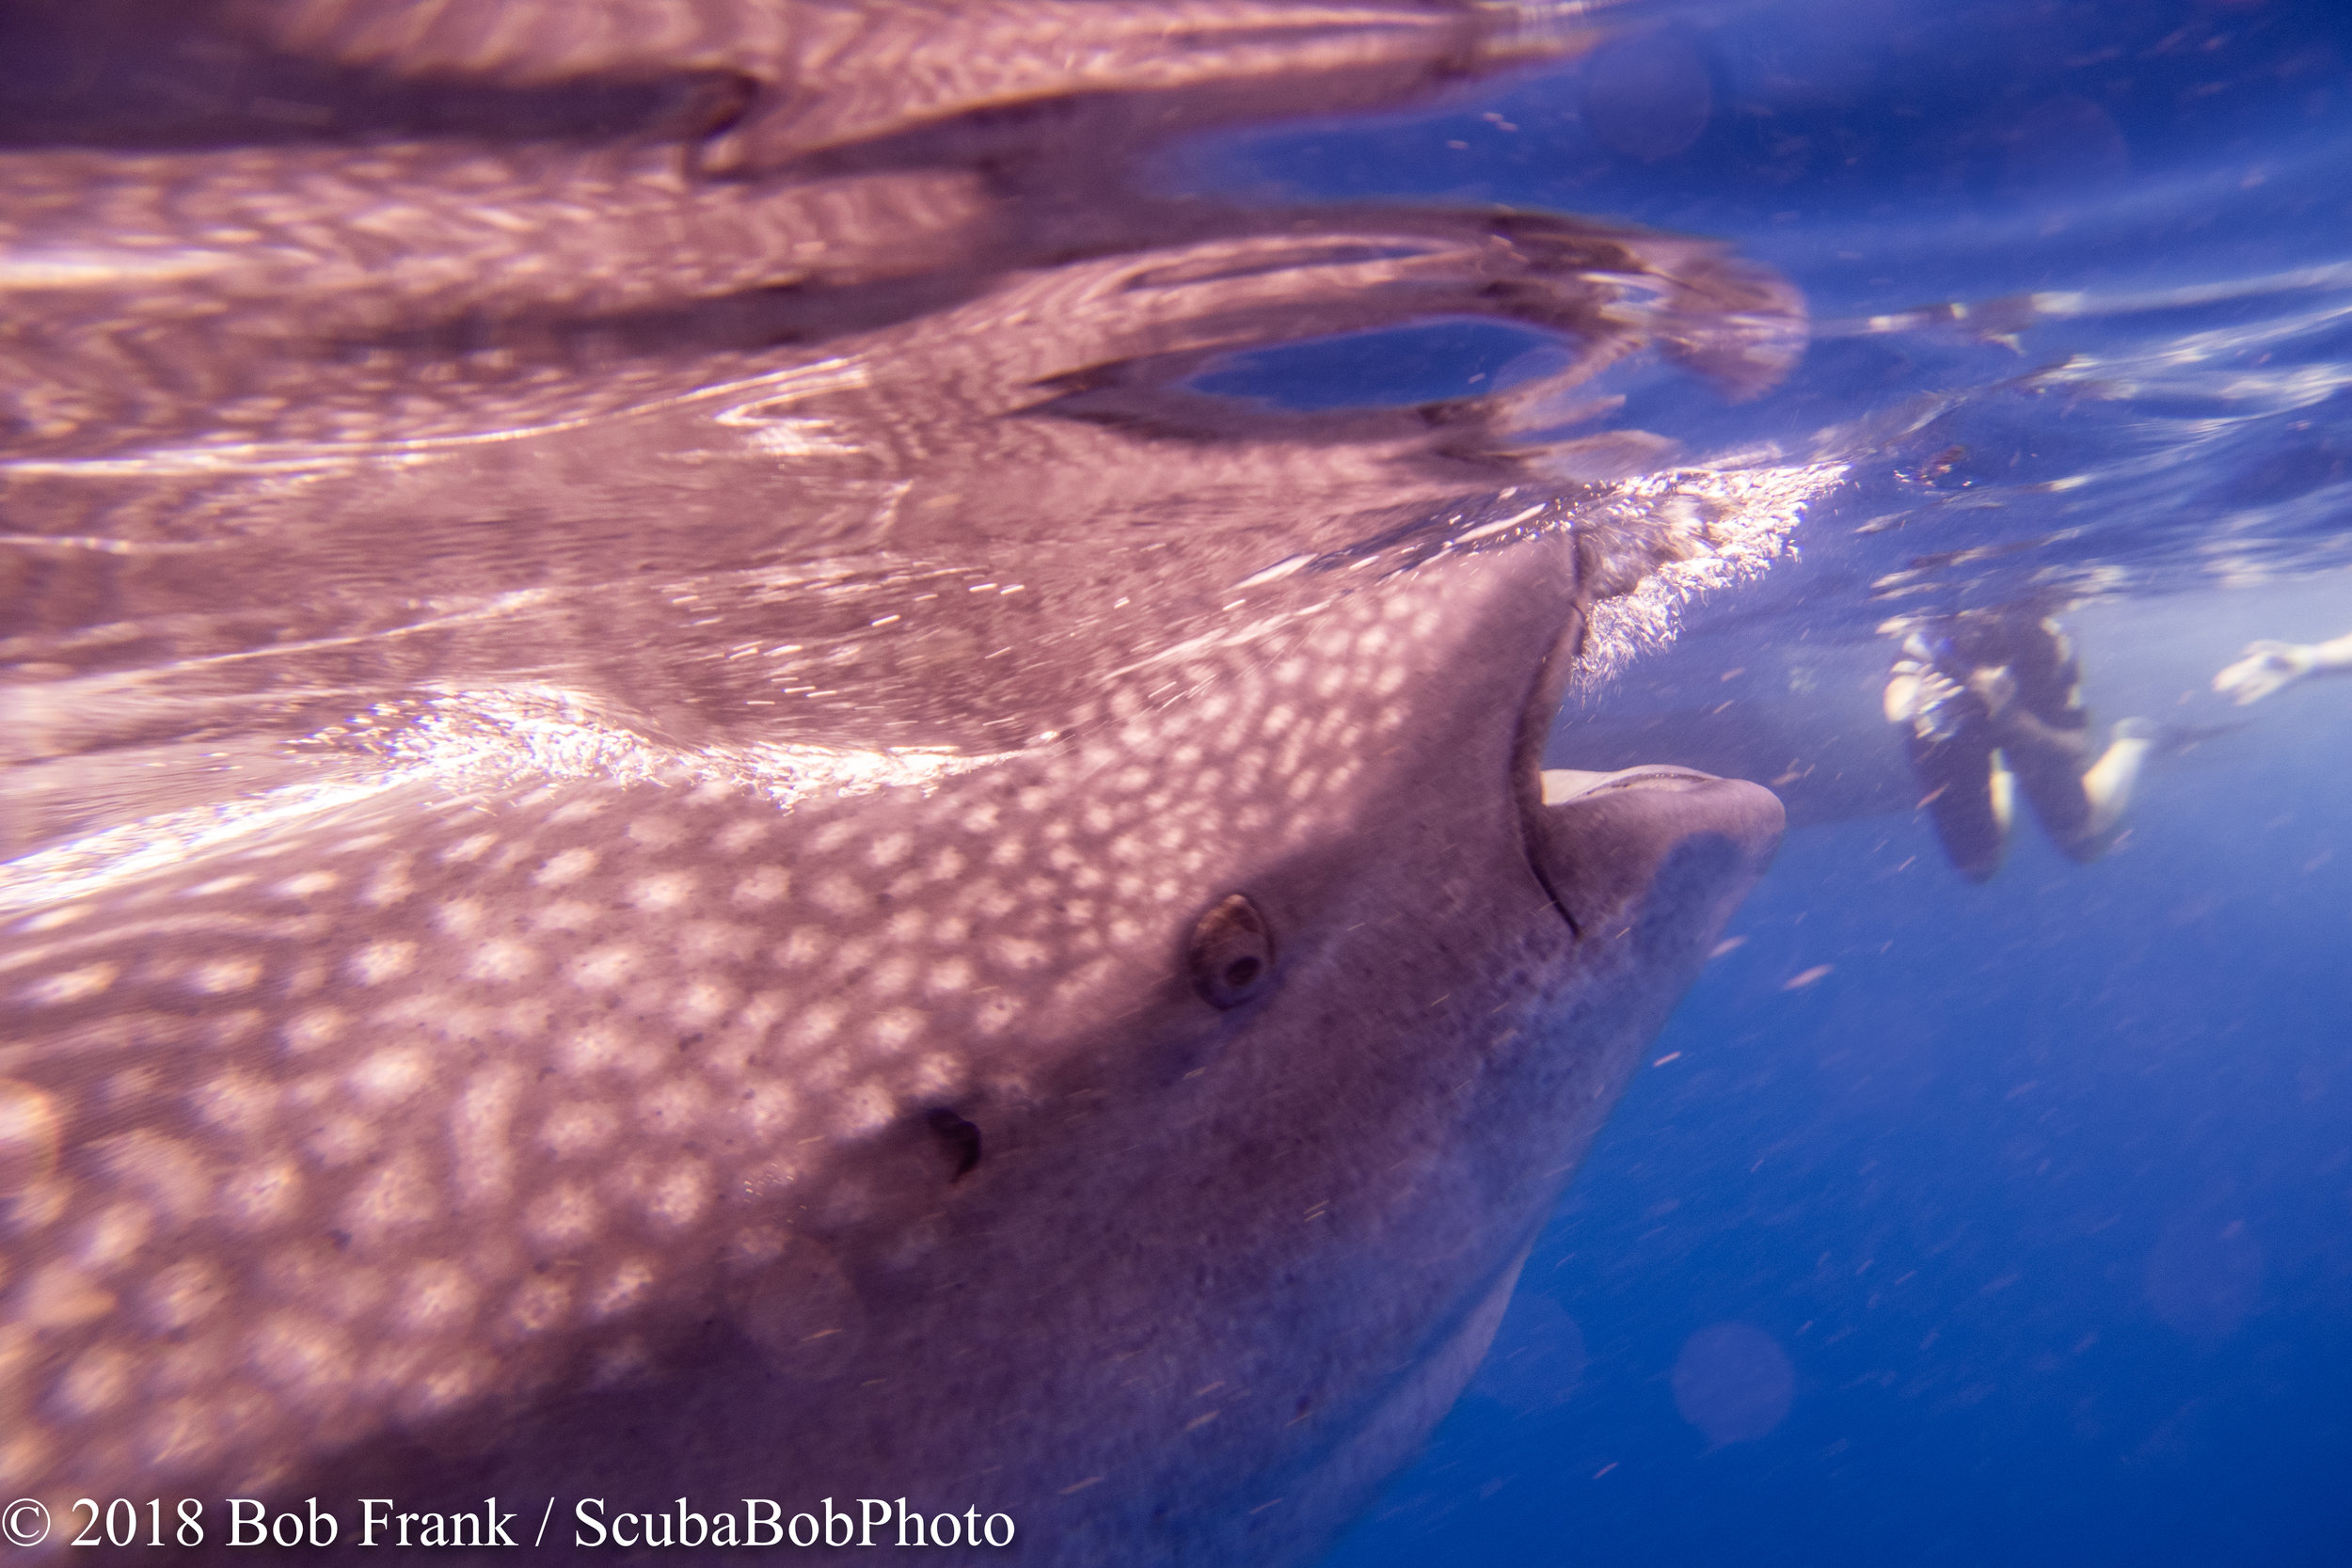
530	1064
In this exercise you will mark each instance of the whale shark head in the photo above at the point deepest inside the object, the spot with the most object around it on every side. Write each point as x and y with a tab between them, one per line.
616	904
1136	1132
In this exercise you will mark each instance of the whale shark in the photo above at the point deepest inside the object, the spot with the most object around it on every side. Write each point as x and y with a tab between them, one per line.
1136	1135
751	901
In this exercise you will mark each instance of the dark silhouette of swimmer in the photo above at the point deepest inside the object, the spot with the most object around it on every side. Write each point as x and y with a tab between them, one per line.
1990	702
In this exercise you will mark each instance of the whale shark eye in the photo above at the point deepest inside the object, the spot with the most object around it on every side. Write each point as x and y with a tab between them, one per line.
1232	952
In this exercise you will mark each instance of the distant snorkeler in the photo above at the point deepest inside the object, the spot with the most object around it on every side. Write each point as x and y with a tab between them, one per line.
2267	666
1990	701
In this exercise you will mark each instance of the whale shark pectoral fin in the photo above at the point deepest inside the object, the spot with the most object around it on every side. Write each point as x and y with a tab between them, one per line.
1652	851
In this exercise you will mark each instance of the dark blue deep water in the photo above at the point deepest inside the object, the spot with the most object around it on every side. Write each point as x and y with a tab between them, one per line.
1956	1224
2043	1191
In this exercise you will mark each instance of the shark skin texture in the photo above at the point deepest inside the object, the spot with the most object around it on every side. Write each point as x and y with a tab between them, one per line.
682	823
588	1139
375	220
747	88
213	596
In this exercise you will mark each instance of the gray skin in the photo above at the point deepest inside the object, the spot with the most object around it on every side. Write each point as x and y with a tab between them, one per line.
589	1106
572	935
516	206
645	1140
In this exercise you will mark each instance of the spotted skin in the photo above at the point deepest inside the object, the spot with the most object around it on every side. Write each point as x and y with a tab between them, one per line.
578	1135
626	732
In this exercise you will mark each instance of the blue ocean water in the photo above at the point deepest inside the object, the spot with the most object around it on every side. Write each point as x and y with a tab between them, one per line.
2041	1191
1957	1224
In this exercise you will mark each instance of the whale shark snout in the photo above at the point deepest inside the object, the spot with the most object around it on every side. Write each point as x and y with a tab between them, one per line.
1623	851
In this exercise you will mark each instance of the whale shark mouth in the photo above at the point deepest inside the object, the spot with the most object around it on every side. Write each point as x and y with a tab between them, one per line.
1597	841
1563	784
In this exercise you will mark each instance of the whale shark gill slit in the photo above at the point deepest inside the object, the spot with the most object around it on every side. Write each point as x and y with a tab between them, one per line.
960	1138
